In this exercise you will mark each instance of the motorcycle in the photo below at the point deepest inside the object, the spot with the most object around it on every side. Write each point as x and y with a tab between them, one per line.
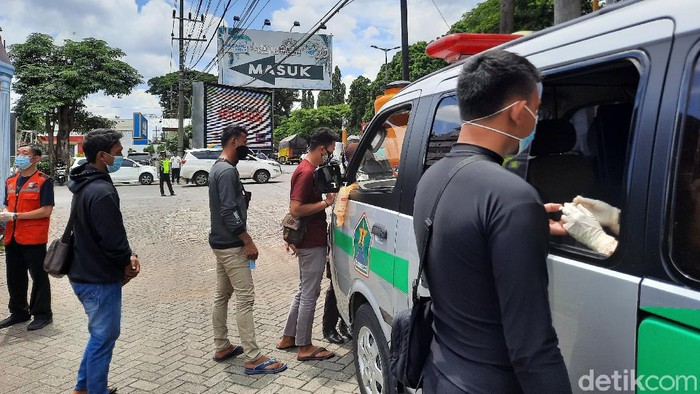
61	172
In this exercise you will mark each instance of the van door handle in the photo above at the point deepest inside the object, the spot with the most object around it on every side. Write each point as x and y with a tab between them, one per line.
379	231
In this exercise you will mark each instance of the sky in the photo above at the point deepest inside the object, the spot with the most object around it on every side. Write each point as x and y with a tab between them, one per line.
142	29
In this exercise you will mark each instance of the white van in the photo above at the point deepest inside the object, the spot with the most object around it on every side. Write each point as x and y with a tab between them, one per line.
619	121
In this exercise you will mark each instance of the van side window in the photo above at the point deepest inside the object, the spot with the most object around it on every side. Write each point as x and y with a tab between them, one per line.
685	238
380	163
444	131
582	138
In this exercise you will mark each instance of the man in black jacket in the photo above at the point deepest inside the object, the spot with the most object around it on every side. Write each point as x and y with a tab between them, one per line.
102	259
486	260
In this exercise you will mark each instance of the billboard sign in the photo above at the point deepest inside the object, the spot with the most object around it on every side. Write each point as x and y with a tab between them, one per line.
140	127
226	105
249	59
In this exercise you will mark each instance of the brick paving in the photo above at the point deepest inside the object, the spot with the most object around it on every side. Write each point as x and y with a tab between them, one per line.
166	339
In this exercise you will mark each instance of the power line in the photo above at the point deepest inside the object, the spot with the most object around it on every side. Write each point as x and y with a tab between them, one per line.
439	12
201	29
228	42
245	16
212	37
330	14
207	29
194	25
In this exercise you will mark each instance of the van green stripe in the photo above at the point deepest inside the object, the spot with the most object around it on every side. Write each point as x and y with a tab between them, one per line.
381	262
343	241
689	317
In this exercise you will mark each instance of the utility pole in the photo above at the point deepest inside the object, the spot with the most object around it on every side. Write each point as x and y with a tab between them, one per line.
181	81
404	39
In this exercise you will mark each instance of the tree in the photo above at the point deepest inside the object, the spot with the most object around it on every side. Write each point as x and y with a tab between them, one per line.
566	10
165	87
57	79
485	17
506	16
284	101
305	121
336	95
307	100
359	96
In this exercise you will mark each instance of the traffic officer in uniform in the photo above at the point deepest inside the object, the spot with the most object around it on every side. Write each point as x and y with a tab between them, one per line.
164	174
29	202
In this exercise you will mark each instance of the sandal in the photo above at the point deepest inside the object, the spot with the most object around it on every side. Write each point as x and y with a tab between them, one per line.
235	351
315	357
260	369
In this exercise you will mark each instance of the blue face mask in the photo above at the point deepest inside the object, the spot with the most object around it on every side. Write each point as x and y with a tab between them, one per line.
23	162
116	165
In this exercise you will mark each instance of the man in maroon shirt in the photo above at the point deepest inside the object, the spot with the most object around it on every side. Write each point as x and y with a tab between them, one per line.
310	205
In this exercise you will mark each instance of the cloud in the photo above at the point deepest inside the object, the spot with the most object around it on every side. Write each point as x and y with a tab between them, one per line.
124	107
143	28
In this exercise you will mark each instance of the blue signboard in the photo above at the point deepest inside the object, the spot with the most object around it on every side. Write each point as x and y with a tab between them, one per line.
140	127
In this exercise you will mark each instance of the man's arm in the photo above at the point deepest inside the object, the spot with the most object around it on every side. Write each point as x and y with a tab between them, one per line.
109	226
302	188
518	238
231	213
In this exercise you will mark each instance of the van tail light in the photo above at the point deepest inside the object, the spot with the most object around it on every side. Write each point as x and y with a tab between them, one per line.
183	162
457	46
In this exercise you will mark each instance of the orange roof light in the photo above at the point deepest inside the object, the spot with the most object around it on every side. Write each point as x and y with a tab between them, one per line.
459	45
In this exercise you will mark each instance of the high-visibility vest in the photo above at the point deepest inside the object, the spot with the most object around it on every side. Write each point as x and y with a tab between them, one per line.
165	166
28	198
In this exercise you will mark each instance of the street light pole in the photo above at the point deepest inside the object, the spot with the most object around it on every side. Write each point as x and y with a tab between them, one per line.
386	60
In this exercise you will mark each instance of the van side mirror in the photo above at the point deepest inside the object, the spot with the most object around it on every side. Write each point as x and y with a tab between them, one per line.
328	179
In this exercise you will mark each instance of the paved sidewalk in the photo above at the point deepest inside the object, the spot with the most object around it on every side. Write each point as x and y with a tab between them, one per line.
166	339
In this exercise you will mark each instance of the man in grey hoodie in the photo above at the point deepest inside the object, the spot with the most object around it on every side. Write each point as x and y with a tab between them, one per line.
102	259
235	256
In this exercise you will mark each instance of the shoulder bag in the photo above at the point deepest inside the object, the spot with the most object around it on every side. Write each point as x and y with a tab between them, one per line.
60	253
293	229
412	330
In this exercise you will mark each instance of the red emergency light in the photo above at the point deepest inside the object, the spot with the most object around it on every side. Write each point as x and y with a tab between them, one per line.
456	46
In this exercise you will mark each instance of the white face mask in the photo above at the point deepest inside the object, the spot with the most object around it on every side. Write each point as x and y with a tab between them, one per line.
524	142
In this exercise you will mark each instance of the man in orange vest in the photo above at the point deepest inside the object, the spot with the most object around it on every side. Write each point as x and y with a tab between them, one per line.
29	202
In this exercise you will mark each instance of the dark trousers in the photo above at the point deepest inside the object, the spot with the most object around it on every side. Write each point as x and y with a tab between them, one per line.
20	259
176	175
165	178
330	310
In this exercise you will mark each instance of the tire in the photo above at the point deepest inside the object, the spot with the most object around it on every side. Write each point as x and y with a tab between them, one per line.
200	178
261	176
146	178
283	160
371	353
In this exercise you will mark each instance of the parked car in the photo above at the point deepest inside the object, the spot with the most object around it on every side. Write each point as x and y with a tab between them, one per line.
129	172
198	162
140	157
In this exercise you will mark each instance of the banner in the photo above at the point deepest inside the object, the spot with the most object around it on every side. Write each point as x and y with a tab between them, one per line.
249	59
140	128
226	105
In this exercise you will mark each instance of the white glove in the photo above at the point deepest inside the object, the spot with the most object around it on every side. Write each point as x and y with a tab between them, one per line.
583	227
6	216
604	213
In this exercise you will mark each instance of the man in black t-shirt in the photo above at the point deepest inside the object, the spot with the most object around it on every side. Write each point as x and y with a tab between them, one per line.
486	262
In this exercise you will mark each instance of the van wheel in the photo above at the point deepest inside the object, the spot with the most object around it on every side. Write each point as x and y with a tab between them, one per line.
371	353
261	176
201	178
146	179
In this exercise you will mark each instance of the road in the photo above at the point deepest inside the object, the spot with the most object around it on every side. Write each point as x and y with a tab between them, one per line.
166	338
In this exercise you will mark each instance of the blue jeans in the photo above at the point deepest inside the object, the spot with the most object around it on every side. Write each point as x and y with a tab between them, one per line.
103	306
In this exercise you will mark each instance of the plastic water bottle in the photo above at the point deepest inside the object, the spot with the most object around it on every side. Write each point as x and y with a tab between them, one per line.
251	264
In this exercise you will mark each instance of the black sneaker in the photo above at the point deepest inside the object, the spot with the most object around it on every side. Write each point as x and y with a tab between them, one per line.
12	320
38	324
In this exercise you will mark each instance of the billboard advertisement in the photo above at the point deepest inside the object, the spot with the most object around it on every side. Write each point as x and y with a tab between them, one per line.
248	58
140	127
225	105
